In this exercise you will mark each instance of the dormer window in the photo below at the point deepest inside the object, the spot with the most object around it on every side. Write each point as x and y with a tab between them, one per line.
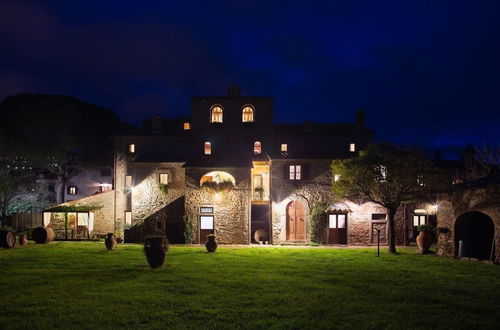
186	126
257	148
208	148
131	148
284	147
216	114
247	114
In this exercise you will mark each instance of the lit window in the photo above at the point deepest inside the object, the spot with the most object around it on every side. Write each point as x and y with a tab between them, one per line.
257	148
128	217
216	114
82	219
284	147
131	148
336	221
420	180
419	220
72	190
128	181
336	177
164	178
207	222
105	187
295	172
247	114
208	148
187	126
352	147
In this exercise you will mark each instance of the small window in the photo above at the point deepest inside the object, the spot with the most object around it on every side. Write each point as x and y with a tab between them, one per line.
336	177
82	219
128	217
284	147
164	178
72	190
257	148
207	222
216	114
208	148
419	220
379	217
295	172
247	114
128	181
187	126
352	147
336	221
131	148
420	180
105	187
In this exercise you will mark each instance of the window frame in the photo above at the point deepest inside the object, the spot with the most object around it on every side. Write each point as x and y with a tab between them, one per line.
131	148
72	190
257	148
207	148
250	115
292	172
352	147
161	175
213	116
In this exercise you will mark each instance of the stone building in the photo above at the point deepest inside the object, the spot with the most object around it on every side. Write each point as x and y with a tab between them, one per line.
231	171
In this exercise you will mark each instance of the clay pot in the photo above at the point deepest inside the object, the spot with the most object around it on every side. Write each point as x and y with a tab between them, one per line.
23	239
43	235
7	239
424	241
155	248
211	243
110	241
260	235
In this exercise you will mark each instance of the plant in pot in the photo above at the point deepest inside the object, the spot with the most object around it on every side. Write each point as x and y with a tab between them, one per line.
164	188
424	239
211	243
110	241
155	248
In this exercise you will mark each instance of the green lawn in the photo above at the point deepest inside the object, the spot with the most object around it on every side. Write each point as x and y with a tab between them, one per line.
81	285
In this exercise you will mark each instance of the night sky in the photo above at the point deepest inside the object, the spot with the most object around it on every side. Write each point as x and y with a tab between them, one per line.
425	72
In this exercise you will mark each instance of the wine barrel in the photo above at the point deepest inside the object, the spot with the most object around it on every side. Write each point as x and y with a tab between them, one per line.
42	235
7	239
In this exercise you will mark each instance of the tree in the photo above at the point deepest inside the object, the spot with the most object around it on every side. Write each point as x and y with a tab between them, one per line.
387	175
60	134
16	175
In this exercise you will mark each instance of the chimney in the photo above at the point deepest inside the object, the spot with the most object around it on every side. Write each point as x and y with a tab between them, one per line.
360	119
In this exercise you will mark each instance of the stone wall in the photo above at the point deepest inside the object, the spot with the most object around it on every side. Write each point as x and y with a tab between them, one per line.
231	209
103	217
454	204
315	187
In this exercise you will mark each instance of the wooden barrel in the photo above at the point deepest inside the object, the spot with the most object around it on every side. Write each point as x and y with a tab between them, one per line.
42	235
7	239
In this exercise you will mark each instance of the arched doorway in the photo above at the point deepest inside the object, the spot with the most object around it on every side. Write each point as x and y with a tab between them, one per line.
476	231
295	221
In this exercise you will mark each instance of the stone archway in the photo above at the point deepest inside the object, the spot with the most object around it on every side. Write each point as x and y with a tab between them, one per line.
476	231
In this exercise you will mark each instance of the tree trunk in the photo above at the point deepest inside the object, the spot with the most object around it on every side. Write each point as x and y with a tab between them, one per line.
392	231
61	189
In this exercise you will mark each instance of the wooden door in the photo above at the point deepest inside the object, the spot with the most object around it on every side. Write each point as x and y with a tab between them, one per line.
337	229
295	221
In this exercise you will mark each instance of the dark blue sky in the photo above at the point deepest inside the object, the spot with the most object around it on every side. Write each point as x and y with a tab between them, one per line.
425	72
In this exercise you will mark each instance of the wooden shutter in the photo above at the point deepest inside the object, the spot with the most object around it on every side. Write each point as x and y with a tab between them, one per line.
305	171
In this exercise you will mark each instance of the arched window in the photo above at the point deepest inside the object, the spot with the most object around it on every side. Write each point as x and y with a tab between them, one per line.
208	148
247	114
216	115
257	148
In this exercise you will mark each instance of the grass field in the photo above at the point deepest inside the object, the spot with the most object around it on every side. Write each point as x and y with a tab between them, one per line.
81	285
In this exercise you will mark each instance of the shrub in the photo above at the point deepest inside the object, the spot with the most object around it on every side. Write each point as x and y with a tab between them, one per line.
318	222
164	188
425	228
189	229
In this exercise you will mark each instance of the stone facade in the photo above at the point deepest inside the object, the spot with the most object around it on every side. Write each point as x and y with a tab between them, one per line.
230	209
453	205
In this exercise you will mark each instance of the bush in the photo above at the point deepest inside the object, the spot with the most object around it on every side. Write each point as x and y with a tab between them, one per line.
318	222
425	228
189	229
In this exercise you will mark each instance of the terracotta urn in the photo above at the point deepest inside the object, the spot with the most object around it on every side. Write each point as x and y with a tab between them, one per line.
23	239
155	248
424	241
110	241
211	243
